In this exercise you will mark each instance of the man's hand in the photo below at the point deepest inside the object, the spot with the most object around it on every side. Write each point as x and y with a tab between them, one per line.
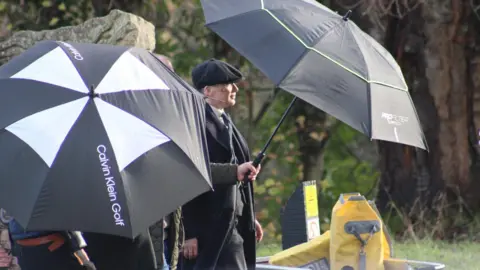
190	248
245	168
258	231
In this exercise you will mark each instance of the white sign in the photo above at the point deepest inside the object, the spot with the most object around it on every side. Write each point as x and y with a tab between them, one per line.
313	228
311	209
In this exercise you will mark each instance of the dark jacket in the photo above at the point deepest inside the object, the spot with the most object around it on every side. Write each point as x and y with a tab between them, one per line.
206	217
174	239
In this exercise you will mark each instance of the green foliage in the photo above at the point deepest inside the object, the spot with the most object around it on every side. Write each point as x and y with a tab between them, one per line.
183	36
345	171
45	14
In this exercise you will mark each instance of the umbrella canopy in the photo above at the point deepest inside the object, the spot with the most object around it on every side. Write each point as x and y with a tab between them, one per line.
97	138
324	59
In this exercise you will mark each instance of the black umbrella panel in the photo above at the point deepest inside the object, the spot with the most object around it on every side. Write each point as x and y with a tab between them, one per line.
324	59
97	138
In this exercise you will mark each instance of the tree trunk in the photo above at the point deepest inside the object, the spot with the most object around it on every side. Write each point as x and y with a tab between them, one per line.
313	134
436	47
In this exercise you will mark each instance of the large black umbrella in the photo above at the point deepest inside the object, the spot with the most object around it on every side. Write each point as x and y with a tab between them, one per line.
324	59
97	138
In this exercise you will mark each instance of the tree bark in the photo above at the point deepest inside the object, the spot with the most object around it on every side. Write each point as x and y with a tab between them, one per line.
313	135
435	45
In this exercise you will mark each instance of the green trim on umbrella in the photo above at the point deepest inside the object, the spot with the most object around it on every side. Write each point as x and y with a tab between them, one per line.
326	56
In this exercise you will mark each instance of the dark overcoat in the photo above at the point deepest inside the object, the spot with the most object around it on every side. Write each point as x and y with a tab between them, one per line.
206	217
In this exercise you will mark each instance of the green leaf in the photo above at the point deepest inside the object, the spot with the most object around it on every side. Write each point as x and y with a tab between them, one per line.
274	191
62	7
269	182
46	3
260	190
53	21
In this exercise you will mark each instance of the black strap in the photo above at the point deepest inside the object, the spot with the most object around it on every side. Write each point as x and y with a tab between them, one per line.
363	243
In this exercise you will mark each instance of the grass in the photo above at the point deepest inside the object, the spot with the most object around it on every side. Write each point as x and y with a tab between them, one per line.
264	250
462	255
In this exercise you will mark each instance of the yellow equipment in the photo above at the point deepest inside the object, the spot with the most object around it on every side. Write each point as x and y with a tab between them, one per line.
357	240
312	255
357	235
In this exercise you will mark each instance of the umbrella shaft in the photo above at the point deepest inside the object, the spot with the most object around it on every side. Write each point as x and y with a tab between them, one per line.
259	159
289	108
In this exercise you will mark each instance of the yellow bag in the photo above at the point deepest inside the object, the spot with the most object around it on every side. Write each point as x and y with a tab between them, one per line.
312	255
358	240
339	248
386	239
343	197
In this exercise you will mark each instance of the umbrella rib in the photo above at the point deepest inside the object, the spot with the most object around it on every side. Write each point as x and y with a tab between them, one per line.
388	85
324	55
380	53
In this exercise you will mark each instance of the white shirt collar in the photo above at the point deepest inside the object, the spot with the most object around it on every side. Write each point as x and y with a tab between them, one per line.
217	111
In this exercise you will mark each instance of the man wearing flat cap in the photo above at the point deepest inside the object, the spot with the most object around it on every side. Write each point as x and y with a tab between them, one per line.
216	223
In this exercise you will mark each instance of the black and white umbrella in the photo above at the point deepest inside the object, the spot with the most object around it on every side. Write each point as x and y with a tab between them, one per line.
97	138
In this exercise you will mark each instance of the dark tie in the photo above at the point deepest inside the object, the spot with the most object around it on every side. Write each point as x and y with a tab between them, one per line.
228	125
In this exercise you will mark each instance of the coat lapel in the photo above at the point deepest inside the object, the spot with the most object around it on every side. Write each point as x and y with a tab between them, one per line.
218	131
242	143
216	128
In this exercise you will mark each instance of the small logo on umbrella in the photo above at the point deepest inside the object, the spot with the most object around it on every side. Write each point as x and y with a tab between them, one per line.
393	119
110	183
73	51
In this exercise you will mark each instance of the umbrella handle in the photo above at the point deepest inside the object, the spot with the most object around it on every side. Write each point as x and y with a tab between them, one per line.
78	243
89	266
84	260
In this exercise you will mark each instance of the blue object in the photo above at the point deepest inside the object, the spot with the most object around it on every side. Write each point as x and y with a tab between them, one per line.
166	256
17	232
165	263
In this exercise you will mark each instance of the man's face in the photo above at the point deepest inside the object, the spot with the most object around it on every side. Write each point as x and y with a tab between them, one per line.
222	95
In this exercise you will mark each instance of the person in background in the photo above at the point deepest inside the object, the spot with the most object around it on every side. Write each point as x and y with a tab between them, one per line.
217	223
167	234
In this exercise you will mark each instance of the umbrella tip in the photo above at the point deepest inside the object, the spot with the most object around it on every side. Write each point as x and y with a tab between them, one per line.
347	15
91	93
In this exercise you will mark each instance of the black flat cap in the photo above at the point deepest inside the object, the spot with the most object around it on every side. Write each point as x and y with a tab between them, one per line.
212	72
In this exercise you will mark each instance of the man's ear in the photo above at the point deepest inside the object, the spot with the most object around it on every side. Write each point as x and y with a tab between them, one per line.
206	90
